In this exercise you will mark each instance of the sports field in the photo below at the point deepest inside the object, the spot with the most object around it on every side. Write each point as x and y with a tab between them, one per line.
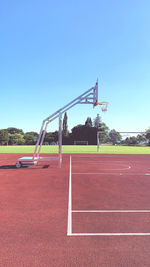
104	149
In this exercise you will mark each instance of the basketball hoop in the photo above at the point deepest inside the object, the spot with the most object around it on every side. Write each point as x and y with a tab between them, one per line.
104	105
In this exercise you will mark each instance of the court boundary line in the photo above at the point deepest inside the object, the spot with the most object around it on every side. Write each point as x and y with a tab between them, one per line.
111	211
110	234
109	173
69	227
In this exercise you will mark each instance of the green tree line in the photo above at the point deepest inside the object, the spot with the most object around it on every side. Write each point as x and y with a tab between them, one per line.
82	132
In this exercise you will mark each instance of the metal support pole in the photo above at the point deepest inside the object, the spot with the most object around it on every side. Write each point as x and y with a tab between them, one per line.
98	141
42	139
38	140
60	139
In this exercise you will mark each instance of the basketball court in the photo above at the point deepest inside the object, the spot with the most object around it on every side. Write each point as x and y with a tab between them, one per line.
94	211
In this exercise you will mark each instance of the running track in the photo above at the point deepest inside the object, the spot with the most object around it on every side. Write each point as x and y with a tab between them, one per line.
94	211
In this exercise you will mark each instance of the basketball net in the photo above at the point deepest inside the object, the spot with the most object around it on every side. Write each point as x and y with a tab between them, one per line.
104	105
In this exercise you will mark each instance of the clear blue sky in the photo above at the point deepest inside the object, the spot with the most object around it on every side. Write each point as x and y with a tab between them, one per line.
53	51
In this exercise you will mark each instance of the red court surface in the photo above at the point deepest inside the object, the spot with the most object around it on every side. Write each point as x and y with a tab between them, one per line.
94	211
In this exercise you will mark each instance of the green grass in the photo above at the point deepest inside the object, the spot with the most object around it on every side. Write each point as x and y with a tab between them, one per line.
77	149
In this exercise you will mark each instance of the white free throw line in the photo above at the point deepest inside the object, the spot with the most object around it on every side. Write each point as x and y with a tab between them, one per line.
69	229
110	211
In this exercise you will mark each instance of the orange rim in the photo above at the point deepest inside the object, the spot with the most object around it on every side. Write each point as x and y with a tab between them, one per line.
99	103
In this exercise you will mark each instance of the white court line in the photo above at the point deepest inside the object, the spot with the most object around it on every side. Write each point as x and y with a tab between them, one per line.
69	229
120	169
98	161
96	173
109	173
98	156
111	211
110	234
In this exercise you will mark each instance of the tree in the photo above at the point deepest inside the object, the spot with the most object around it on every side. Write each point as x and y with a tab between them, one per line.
102	128
97	121
114	137
88	122
148	135
34	136
141	138
103	133
55	136
13	130
4	137
16	139
29	139
49	138
65	125
33	133
132	140
126	141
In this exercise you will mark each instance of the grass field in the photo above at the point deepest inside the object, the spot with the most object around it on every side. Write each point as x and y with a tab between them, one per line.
77	149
